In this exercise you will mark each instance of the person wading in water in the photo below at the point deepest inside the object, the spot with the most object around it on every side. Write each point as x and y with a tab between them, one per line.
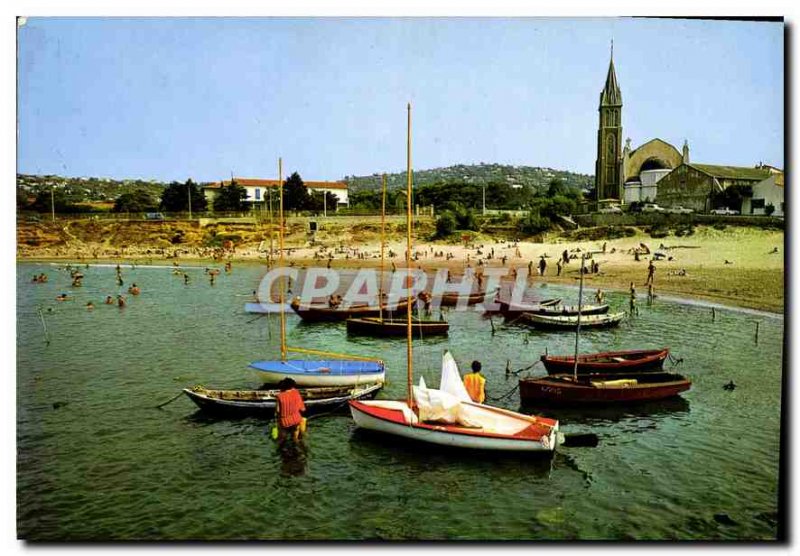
289	410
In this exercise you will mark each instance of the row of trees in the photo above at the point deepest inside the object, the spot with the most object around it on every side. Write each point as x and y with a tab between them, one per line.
177	196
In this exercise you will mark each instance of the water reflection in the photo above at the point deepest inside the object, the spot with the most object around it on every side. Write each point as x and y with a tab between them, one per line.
406	452
294	457
676	406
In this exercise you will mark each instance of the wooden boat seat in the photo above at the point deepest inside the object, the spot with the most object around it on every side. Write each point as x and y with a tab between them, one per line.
619	359
621	383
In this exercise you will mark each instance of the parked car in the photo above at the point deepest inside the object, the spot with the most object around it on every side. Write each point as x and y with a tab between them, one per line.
610	209
680	210
725	211
154	216
652	207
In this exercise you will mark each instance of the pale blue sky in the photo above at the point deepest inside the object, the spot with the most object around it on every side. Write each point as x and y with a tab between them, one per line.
177	98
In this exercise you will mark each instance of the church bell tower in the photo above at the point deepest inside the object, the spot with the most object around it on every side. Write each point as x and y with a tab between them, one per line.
608	168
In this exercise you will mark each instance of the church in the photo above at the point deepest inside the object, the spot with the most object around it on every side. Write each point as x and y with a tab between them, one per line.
656	171
626	174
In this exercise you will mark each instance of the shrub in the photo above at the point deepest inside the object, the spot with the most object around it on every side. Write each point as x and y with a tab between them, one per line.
658	232
445	224
533	224
769	209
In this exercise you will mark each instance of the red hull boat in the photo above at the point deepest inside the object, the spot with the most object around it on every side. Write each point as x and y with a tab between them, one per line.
607	362
601	389
324	313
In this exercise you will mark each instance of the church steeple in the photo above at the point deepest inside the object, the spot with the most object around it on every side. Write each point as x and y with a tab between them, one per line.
608	177
611	95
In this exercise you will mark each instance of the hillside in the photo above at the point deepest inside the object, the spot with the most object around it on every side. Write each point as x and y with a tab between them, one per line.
480	174
87	189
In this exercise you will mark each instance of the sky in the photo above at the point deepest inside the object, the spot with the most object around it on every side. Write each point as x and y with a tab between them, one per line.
177	98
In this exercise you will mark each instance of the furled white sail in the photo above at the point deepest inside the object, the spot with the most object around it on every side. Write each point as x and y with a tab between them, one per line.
451	379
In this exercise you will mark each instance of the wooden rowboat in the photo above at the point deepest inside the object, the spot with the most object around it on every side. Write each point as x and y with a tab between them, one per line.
262	402
571	310
607	362
323	313
571	323
375	326
508	309
601	389
450	299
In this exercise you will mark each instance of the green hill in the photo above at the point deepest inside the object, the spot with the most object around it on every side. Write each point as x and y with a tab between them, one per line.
480	174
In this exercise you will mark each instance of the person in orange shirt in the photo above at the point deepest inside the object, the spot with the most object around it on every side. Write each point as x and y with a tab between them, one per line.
475	383
289	410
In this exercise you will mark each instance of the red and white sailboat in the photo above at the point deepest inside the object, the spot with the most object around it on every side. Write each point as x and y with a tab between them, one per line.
447	416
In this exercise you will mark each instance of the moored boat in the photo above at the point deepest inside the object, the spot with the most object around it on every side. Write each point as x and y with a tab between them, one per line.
450	299
262	402
332	372
571	323
570	310
323	313
509	309
447	416
602	389
376	326
607	362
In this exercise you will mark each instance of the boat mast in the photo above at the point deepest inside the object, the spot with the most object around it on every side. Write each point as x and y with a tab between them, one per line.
409	353
280	258
383	245
578	328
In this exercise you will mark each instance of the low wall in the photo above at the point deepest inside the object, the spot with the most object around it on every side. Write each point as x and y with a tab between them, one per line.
659	218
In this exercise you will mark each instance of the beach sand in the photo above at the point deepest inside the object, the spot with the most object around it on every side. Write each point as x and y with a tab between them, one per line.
735	266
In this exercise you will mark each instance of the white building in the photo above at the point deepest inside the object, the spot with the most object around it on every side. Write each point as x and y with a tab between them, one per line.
644	189
258	190
766	192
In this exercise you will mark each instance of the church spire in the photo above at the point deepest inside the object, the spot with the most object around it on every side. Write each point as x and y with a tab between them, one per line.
611	95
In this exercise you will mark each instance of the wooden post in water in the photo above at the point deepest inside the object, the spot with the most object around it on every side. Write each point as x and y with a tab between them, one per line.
383	245
578	328
409	351
713	315
757	323
280	258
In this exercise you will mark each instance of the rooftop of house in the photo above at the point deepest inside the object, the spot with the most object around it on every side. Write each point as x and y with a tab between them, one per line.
258	182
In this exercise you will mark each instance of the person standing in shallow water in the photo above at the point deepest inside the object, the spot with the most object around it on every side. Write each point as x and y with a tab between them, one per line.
475	383
633	308
289	410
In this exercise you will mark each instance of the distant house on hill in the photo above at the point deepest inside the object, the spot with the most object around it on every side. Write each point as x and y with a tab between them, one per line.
694	185
258	190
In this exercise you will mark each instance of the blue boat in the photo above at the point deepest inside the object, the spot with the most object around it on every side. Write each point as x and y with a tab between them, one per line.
331	372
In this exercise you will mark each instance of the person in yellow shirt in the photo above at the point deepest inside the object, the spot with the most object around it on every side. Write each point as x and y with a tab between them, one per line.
475	383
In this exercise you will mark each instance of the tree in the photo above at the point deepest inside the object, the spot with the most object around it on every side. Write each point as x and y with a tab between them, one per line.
295	193
59	199
138	201
231	198
445	224
175	197
769	209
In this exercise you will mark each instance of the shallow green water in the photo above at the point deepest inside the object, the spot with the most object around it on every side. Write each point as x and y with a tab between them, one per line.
97	460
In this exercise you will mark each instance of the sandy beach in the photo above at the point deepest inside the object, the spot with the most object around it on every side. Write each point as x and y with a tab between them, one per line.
735	266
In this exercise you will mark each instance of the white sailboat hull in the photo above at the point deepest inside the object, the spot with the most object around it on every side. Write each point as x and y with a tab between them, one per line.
446	436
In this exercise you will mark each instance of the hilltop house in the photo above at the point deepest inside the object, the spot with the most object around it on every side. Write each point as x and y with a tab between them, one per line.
258	190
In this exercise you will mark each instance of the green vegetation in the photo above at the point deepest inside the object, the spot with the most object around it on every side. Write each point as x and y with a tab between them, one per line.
475	174
138	201
231	198
175	198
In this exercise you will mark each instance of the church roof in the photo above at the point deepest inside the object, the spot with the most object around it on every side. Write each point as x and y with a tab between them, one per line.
732	172
611	95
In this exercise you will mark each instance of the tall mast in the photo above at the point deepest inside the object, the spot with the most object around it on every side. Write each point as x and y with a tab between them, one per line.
409	352
383	245
280	258
578	328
